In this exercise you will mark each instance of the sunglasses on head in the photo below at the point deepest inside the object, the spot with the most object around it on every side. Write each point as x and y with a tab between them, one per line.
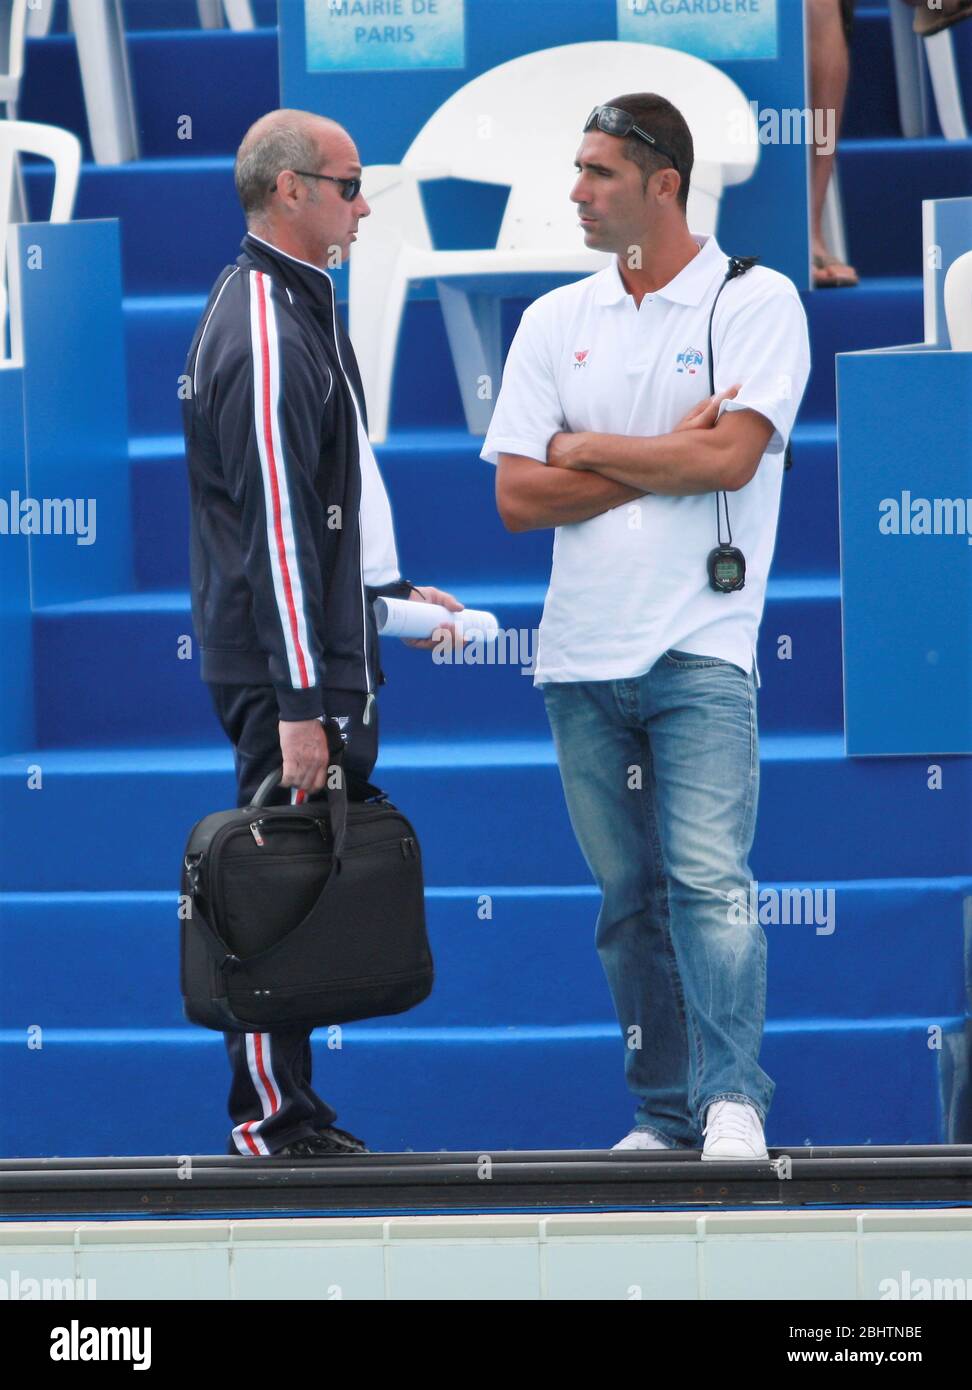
613	121
350	188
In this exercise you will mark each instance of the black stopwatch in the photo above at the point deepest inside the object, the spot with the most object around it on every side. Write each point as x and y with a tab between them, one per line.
727	569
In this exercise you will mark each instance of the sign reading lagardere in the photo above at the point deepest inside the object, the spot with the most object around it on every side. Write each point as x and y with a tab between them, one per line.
382	35
715	29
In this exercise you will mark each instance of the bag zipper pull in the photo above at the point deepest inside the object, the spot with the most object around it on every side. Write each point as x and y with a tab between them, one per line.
192	862
255	832
366	717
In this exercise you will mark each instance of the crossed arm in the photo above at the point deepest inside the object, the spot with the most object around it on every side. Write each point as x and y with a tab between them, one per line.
586	474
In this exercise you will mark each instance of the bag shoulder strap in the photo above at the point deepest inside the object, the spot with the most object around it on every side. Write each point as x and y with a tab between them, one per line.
210	938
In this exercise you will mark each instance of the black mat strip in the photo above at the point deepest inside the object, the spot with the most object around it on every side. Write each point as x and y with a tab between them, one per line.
526	1181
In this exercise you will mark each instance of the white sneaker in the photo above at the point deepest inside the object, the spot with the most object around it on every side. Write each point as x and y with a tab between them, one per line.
733	1130
639	1139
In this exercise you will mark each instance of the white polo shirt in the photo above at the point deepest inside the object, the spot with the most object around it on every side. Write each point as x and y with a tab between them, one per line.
631	583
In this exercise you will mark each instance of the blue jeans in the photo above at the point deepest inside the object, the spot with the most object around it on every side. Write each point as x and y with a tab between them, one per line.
661	777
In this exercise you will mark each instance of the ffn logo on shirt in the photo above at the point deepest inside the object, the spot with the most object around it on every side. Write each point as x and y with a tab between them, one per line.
688	361
580	358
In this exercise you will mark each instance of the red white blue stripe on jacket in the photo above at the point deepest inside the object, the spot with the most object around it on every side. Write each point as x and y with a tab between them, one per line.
281	545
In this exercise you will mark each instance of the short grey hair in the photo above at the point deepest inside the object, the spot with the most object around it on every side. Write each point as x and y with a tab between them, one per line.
259	161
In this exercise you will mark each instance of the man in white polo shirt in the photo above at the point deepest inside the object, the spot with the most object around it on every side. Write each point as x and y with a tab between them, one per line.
604	429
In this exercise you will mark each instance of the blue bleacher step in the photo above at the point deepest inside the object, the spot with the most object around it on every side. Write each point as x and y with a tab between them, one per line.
226	80
425	395
126	674
477	1089
181	216
508	956
444	503
246	63
489	812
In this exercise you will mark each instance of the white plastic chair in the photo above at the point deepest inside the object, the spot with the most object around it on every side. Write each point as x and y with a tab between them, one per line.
39	18
99	32
60	146
238	12
909	74
958	303
520	124
13	24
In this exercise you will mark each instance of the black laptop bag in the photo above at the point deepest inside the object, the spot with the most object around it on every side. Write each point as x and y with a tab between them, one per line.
304	915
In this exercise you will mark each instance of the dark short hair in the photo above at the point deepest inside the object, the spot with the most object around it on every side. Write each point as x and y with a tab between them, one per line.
660	118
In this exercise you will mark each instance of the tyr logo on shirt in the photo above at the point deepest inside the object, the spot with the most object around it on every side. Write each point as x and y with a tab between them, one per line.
688	361
580	358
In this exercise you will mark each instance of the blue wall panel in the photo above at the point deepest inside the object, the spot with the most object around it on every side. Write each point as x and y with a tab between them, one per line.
66	286
905	448
17	667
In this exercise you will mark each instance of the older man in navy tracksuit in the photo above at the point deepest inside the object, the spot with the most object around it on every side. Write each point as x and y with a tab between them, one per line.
291	537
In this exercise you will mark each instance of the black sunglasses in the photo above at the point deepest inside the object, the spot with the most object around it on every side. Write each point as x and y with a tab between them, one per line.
350	188
613	121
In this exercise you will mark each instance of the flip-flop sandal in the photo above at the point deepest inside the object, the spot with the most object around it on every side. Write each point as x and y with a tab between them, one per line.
840	276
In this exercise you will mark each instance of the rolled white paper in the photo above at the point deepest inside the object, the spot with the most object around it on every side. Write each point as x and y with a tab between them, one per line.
476	624
400	617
